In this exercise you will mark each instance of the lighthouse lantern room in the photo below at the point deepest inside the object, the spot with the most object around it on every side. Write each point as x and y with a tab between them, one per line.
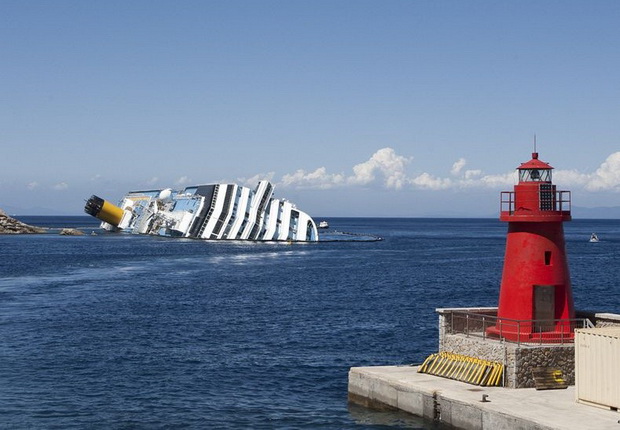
535	298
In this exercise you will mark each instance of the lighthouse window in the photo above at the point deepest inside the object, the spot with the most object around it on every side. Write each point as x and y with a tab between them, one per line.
547	258
535	175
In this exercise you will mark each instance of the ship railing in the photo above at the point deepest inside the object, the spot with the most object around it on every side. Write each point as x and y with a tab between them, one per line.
488	327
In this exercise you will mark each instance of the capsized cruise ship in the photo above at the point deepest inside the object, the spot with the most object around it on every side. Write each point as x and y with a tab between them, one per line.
214	211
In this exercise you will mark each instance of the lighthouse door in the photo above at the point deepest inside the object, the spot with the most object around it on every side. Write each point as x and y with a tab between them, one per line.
544	307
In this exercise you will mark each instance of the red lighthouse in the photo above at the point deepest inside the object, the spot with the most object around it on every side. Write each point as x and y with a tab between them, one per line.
535	299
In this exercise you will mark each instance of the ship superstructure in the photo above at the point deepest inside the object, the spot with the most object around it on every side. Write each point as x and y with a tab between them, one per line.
213	211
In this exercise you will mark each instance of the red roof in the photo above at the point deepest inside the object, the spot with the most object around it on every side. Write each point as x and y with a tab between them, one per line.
534	163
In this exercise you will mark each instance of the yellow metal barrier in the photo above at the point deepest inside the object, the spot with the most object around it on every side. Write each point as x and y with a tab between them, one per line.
463	368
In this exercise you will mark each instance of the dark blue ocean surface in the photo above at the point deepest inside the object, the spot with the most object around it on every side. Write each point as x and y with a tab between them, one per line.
132	332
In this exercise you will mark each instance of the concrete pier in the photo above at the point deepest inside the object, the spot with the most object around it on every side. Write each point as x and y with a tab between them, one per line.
460	404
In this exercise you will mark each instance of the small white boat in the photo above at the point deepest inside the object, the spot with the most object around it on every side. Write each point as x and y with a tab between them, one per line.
593	238
323	224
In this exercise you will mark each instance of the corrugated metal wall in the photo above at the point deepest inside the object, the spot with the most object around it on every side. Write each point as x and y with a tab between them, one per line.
597	366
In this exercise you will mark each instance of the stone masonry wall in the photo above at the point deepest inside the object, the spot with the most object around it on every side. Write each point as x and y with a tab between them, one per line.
491	350
561	357
518	360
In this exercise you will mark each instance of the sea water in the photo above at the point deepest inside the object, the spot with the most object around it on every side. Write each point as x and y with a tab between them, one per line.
117	331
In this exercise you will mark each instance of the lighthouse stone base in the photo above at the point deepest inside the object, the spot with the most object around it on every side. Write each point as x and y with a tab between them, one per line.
519	359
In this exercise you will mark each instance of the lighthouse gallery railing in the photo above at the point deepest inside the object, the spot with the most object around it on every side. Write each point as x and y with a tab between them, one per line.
552	201
539	331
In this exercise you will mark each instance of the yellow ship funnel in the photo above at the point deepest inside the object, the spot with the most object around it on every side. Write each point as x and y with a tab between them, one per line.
104	210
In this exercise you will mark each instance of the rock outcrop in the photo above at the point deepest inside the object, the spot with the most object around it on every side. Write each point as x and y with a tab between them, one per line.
9	225
71	232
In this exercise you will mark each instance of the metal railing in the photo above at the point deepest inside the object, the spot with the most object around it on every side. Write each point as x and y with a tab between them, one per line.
551	201
559	331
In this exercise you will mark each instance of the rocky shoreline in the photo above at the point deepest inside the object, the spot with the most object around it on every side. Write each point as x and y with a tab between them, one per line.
9	225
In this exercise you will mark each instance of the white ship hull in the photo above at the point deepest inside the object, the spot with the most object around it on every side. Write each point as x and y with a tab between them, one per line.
214	211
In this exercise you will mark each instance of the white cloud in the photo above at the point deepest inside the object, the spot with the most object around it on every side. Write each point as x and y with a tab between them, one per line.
251	182
471	174
318	179
32	185
392	166
430	182
153	180
606	177
388	168
183	180
458	166
386	163
61	186
498	181
467	177
566	178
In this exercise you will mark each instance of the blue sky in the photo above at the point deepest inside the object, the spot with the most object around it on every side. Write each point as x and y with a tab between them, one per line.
351	108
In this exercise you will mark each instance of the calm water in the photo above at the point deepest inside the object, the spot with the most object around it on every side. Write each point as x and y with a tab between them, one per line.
132	332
